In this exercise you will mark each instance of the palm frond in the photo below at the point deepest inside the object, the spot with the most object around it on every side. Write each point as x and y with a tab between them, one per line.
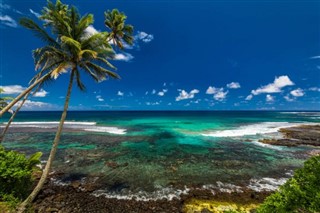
88	70
74	45
106	62
62	68
84	22
81	86
37	30
88	54
102	71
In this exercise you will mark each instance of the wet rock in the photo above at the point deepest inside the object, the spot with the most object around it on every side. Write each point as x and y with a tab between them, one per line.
52	210
48	192
314	152
295	136
173	168
75	184
112	164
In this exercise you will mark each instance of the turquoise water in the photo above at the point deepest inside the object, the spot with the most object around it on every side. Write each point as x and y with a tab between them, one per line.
147	152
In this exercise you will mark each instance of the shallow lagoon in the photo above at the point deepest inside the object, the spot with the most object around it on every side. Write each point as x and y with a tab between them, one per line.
152	155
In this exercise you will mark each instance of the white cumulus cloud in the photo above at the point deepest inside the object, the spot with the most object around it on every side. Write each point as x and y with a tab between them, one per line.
123	57
17	89
120	93
161	93
37	105
99	98
275	87
42	93
218	93
297	92
12	89
90	30
233	85
143	36
185	95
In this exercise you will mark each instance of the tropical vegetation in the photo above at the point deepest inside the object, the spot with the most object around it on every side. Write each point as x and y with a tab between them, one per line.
3	100
16	174
301	193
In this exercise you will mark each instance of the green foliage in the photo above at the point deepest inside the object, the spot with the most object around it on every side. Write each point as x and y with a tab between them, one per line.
16	174
3	100
120	32
299	194
10	201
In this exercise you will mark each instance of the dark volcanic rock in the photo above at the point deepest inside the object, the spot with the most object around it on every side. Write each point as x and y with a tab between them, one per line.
299	135
67	199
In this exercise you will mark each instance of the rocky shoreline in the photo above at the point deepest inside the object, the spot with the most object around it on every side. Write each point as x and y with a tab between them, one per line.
72	199
78	196
296	136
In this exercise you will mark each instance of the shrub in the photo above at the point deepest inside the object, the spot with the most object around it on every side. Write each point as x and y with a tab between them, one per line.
16	173
301	193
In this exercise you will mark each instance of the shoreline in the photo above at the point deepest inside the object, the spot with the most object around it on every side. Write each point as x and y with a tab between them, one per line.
299	135
79	197
54	198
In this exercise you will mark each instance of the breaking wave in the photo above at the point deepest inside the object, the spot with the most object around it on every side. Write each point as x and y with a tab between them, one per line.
167	193
85	126
252	129
266	184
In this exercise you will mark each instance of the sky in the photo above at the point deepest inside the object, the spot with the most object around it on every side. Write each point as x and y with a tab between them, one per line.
187	55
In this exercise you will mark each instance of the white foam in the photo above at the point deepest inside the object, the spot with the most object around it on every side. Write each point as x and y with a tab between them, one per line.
307	113
59	182
267	145
167	193
266	184
223	187
112	130
85	126
310	115
252	129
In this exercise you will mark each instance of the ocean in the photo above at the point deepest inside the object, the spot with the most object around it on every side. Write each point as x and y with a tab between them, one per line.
150	155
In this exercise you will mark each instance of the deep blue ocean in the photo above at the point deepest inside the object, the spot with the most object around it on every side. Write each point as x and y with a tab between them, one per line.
162	154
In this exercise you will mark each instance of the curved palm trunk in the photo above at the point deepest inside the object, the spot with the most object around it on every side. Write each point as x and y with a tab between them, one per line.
53	151
28	90
12	117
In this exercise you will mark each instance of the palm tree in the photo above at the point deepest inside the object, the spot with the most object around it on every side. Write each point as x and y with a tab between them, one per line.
119	31
14	113
73	51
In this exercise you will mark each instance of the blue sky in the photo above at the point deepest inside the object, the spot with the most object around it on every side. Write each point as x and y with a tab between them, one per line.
188	55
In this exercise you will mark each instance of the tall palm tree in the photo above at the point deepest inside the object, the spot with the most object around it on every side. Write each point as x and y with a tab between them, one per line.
73	50
120	32
14	113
